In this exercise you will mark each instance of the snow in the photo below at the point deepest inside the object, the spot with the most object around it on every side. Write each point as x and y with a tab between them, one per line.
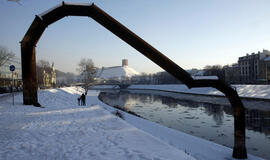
105	87
4	94
204	77
197	147
245	91
200	73
64	130
117	72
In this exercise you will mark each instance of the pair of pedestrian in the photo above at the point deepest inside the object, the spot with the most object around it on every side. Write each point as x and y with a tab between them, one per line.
81	100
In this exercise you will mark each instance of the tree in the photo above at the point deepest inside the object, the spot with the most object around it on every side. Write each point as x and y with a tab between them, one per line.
5	55
88	71
43	63
164	78
46	74
65	78
215	70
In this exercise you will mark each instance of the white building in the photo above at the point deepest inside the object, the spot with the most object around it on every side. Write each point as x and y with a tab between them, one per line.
117	73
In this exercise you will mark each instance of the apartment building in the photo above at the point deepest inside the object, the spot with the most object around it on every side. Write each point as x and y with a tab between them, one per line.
255	68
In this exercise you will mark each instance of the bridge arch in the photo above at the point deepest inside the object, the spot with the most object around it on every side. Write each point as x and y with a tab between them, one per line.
38	26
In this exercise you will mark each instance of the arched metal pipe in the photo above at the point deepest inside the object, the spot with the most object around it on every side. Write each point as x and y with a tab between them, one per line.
41	21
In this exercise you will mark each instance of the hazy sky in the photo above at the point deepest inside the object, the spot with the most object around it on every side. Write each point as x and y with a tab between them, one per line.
193	33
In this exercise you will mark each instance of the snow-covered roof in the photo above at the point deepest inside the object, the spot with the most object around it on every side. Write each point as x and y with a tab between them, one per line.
199	73
116	72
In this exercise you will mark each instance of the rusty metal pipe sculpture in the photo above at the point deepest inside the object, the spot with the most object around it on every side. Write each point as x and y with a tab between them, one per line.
41	21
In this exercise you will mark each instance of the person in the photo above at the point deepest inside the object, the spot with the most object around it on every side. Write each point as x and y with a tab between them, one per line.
79	100
83	99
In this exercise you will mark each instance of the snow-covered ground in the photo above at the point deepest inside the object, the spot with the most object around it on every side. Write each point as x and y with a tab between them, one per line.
64	130
245	91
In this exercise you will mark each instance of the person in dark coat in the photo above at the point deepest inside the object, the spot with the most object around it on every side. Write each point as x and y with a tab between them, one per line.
79	100
83	99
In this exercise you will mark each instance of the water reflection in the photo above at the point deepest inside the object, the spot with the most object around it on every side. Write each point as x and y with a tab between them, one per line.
207	120
128	100
256	120
259	121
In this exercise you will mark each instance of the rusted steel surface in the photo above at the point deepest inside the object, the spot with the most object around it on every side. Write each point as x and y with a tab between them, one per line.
29	75
28	61
42	21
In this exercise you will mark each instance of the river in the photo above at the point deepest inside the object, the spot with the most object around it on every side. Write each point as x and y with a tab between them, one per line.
207	117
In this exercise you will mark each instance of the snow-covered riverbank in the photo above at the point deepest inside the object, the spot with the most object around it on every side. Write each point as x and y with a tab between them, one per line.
245	91
64	130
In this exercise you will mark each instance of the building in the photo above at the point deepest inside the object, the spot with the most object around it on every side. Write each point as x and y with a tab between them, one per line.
255	68
6	74
46	76
117	73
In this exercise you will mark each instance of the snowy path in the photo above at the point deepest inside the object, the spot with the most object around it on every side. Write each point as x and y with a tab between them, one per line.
64	130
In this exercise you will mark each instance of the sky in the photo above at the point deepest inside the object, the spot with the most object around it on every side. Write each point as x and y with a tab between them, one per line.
192	33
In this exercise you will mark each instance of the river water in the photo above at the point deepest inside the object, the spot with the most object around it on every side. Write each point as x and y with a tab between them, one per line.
210	118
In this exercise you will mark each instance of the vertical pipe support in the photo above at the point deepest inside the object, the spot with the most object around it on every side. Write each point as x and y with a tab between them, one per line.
29	75
28	60
239	148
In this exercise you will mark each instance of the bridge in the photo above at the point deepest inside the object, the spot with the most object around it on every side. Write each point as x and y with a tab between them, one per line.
113	82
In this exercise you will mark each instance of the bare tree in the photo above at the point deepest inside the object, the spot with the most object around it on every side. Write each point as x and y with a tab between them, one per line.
85	65
43	63
5	55
87	70
214	70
